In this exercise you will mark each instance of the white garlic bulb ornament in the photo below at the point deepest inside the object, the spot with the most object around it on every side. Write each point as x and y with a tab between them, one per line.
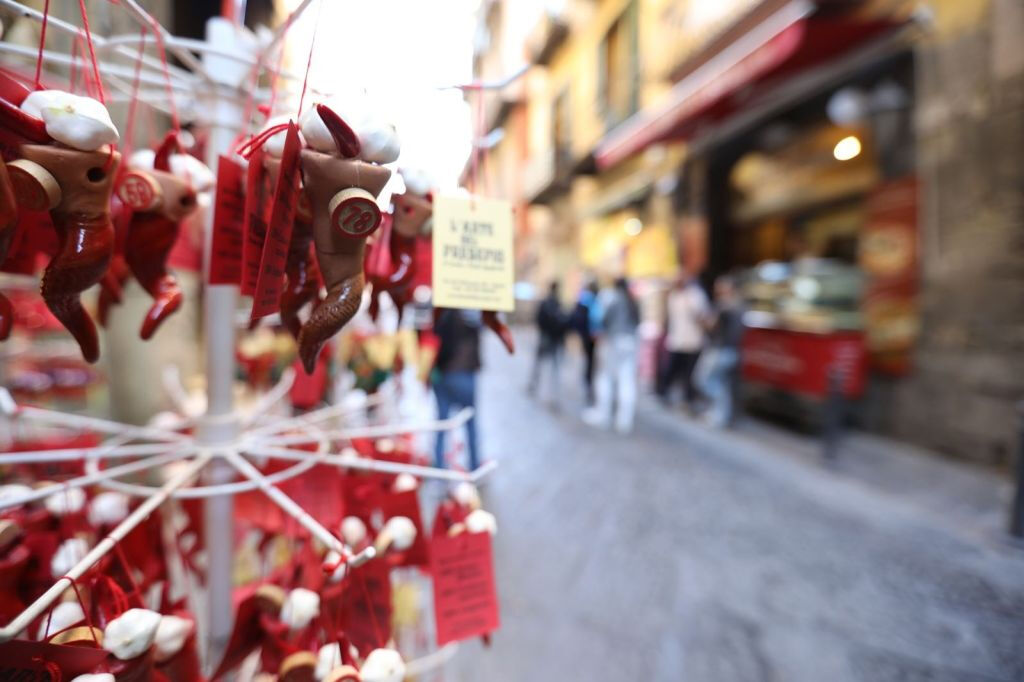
480	521
131	634
353	531
416	180
301	606
67	501
383	665
466	494
405	482
94	677
378	138
13	491
274	145
108	508
69	553
398	533
171	635
64	615
327	659
81	123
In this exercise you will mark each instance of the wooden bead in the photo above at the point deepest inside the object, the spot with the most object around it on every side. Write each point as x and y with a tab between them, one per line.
82	635
354	212
35	188
139	191
298	667
270	598
344	673
9	532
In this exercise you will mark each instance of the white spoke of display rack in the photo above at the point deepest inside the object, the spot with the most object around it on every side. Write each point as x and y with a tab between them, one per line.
271	397
203	47
98	452
102	548
290	507
433	660
198	493
106	69
319	415
53	22
381	431
90	479
280	30
95	423
381	466
171	380
186	57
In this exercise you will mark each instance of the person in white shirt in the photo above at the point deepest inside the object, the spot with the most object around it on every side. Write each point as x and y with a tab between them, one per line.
687	315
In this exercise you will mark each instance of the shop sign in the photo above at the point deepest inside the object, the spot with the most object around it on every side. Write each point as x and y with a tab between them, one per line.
800	362
889	258
473	254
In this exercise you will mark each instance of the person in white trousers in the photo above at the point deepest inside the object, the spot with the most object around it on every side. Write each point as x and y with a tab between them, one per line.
616	381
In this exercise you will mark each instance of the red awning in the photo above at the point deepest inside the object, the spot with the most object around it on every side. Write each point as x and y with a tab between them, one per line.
789	41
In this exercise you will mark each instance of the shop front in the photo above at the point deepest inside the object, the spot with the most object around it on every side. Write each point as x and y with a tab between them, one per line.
800	175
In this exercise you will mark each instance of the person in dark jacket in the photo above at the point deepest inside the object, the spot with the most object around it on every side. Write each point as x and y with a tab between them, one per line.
454	378
716	369
585	322
551	327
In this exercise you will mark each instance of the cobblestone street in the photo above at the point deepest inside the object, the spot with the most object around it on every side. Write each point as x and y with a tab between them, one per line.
683	554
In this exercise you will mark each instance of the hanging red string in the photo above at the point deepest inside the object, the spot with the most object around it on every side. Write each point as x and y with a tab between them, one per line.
42	43
133	105
92	52
81	602
136	592
381	641
276	76
158	34
309	60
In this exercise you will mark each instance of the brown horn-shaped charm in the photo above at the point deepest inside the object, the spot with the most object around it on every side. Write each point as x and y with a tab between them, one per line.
490	319
342	195
81	217
160	201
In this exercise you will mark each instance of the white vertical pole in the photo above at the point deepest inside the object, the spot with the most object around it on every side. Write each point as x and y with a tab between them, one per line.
218	428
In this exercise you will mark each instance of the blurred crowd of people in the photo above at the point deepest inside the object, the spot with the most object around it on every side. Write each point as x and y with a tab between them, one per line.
697	351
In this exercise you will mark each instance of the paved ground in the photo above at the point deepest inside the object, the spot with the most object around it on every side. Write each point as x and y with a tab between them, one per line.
683	554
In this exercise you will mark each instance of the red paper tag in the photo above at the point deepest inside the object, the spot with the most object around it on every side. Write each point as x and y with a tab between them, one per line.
407	504
465	601
270	280
366	606
255	231
228	221
308	389
23	660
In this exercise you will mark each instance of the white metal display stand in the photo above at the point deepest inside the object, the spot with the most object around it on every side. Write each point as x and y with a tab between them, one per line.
224	437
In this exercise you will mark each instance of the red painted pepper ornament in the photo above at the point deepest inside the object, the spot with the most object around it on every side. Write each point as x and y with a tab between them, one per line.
160	200
66	165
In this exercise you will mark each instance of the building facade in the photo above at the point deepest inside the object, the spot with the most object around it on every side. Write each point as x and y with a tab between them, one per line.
859	157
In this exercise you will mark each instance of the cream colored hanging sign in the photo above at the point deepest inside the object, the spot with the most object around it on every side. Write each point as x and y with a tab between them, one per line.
473	254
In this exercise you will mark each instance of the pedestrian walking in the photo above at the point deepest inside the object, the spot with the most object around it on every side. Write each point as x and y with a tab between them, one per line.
551	328
616	380
716	369
455	372
585	320
687	314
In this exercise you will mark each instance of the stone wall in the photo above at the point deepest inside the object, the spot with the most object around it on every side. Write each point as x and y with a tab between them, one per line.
969	362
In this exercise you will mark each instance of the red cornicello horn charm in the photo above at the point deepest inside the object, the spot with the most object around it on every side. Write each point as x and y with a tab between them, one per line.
74	185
